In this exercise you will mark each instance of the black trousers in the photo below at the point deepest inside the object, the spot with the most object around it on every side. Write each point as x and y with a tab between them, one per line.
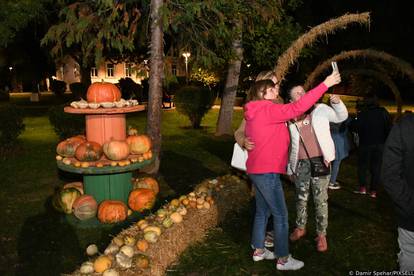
369	164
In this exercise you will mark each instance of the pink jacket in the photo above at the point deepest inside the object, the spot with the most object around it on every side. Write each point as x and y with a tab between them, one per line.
266	127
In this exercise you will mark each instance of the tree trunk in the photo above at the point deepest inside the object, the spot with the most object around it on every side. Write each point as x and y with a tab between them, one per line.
85	75
155	83
224	121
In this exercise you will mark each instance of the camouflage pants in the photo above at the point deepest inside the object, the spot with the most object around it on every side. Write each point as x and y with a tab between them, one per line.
319	185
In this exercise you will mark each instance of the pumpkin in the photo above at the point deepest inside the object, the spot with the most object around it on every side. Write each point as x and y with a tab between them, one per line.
111	272
85	207
89	151
77	185
141	199
100	92
91	250
146	183
68	147
139	144
127	250
63	199
102	263
176	217
87	268
154	229
142	261
112	211
142	245
151	237
116	150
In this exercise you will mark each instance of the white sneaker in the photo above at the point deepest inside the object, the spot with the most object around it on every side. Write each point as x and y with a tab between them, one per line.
290	264
334	186
264	255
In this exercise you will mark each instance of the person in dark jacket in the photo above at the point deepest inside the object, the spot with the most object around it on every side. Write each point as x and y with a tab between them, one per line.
398	180
372	124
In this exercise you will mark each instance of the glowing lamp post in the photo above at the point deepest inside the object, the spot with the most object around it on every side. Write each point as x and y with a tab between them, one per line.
186	55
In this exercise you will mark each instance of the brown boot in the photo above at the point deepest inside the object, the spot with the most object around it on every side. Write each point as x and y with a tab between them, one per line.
321	243
297	234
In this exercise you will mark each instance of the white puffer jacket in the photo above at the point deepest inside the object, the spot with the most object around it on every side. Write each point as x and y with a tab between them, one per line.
321	116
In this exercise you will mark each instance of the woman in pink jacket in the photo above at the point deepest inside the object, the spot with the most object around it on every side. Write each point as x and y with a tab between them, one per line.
266	128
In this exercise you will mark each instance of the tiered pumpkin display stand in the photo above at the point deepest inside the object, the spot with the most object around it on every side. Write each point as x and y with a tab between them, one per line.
105	179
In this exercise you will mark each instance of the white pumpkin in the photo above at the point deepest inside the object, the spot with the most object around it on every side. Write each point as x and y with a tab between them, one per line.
123	260
87	268
110	272
111	249
91	250
128	251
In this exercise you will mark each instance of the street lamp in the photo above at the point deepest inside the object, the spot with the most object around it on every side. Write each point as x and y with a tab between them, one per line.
186	55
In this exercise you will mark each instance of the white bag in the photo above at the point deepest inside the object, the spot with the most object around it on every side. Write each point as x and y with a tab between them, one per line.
239	158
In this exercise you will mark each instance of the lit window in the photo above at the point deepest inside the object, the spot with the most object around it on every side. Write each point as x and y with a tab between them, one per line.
128	69
110	70
94	72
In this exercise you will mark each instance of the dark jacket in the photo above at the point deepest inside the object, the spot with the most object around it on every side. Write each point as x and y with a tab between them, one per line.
398	170
372	125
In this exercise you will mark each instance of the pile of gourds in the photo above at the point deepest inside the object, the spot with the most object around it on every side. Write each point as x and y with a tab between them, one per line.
128	250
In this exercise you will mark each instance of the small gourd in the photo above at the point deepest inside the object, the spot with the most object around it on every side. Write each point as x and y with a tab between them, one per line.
123	260
91	250
142	245
127	250
142	261
111	249
155	229
87	268
102	263
176	217
151	237
111	272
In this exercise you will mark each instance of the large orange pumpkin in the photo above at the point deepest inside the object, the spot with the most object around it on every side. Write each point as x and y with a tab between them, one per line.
139	144
116	150
85	207
141	199
68	147
146	183
100	92
112	211
89	151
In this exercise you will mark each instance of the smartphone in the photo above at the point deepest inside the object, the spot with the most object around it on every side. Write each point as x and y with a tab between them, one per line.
334	66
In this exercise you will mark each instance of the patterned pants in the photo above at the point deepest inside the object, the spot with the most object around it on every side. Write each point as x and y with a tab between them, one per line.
304	183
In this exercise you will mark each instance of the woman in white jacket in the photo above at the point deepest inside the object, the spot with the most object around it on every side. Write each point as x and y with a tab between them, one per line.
314	130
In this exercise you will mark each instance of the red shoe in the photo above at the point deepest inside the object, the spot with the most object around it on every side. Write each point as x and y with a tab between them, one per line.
321	243
361	191
297	234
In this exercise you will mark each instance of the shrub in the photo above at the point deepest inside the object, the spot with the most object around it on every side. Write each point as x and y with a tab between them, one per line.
194	102
66	124
78	90
4	95
11	124
58	87
130	89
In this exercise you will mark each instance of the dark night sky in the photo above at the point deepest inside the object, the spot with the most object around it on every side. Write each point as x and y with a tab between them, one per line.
391	31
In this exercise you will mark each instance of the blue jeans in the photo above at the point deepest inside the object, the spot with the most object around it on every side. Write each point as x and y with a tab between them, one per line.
334	170
270	199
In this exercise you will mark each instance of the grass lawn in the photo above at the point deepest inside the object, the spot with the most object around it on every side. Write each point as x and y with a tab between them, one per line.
34	240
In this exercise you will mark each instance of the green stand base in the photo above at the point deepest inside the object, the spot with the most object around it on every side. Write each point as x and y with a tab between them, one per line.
108	187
